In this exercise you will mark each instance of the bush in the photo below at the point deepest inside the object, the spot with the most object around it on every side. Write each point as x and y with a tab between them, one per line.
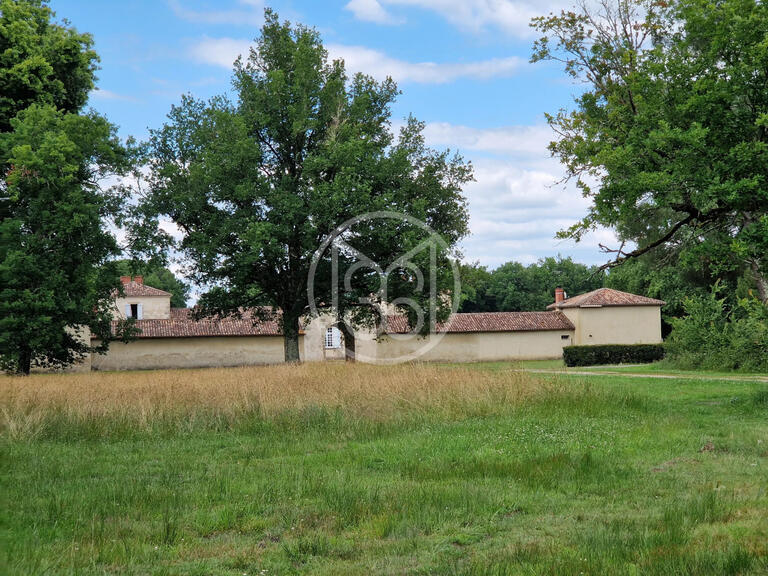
713	336
612	354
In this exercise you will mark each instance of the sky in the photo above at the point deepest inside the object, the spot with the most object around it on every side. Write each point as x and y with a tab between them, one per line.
462	65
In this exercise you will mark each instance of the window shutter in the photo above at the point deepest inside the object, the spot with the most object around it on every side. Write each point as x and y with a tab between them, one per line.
336	338
127	310
140	315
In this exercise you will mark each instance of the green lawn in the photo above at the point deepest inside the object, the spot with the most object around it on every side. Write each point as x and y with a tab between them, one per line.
587	476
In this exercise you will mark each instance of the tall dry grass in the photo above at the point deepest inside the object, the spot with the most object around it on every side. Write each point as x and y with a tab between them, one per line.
99	404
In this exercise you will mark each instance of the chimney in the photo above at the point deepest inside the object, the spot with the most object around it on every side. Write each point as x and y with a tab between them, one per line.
138	279
124	280
559	295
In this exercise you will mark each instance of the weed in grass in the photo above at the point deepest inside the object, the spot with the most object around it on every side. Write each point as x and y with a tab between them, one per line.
760	398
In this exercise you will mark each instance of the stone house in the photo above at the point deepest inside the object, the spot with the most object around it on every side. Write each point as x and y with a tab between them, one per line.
173	338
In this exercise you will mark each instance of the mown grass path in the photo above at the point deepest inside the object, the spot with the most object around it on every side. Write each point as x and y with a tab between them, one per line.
628	374
414	470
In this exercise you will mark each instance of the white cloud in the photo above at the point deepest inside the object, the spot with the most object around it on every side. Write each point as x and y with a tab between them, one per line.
172	229
370	11
517	202
252	16
516	210
379	65
220	51
509	16
101	94
511	140
224	51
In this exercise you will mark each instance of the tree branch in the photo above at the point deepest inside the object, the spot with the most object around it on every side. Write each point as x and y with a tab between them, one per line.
622	256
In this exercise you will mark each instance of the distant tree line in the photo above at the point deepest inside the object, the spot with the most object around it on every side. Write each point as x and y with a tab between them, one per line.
516	287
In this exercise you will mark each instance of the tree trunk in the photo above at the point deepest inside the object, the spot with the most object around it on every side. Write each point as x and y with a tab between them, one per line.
291	338
25	361
349	341
761	281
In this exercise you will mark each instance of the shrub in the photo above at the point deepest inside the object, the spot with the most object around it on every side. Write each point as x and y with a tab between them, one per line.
713	336
612	354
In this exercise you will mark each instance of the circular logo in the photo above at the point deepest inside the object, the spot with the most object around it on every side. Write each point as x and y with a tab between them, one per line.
389	320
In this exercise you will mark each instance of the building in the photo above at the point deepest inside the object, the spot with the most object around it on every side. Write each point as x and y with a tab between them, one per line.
606	316
173	338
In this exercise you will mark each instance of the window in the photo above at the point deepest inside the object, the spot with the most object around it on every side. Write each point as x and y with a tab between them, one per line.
134	311
565	336
332	337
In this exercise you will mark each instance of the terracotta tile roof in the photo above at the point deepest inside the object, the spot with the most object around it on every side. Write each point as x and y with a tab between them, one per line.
492	322
606	297
181	324
133	289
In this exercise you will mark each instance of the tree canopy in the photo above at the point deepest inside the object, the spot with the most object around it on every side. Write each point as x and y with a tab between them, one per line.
669	138
255	186
55	274
41	61
515	287
56	279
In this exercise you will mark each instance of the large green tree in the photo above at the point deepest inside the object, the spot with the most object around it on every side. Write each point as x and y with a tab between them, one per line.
669	138
55	276
257	185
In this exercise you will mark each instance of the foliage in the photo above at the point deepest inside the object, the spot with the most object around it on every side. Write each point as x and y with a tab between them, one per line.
595	355
55	273
475	285
515	287
714	335
334	469
55	277
41	62
670	137
257	186
157	277
672	280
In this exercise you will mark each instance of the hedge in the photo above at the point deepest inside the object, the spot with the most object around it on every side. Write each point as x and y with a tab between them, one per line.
612	354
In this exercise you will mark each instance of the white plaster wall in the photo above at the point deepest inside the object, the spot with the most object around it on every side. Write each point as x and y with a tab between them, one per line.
157	353
616	324
153	307
314	340
474	347
454	347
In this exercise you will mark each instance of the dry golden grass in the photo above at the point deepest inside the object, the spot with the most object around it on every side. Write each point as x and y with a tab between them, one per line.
373	392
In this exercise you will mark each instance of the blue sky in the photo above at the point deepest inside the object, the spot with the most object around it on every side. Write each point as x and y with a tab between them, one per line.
462	66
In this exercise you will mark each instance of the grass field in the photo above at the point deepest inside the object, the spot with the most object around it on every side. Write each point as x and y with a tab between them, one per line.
381	470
